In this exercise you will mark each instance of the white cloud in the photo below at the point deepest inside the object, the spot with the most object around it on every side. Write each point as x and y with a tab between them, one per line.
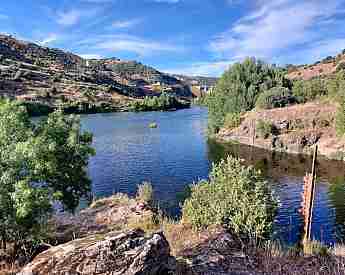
275	27
202	68
91	56
49	39
134	44
125	24
68	18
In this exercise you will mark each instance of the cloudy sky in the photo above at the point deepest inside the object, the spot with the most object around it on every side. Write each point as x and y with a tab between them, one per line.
182	36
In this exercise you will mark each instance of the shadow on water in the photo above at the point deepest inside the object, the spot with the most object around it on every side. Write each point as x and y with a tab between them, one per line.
285	173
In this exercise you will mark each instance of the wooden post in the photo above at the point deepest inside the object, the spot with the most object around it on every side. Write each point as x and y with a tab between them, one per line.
308	198
312	193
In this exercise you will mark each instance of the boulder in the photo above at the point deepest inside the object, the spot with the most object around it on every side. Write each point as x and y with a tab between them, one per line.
126	253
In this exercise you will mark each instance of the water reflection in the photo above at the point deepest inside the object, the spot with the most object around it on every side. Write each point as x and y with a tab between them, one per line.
285	174
177	153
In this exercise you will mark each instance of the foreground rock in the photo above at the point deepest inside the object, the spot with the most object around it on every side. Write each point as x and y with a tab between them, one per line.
221	254
103	216
113	253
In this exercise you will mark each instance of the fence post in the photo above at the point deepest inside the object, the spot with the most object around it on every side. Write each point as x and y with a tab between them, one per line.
309	194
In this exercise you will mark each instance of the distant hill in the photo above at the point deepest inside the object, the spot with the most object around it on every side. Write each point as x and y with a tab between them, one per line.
33	73
323	68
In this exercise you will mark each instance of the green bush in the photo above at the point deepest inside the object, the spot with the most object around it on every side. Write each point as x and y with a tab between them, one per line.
40	163
235	197
145	193
162	103
275	98
340	119
336	86
239	87
232	120
264	128
308	90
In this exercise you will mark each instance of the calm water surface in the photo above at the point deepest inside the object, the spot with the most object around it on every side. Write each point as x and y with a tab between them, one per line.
178	153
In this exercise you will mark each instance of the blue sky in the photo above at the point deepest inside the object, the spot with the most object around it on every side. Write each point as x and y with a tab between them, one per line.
196	37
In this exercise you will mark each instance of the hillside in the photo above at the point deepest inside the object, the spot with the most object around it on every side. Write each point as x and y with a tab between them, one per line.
52	77
323	68
295	129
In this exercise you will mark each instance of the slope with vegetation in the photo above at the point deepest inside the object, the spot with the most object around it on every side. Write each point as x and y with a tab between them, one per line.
44	79
257	104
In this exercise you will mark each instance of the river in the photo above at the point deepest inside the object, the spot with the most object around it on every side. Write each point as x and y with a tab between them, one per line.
178	153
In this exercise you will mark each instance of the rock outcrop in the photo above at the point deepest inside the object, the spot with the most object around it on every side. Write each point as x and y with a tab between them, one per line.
125	253
103	216
295	129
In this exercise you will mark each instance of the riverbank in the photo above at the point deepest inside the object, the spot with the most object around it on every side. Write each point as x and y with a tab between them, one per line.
295	129
109	224
39	109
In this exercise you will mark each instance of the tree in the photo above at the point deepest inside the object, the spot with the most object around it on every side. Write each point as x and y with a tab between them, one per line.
239	87
39	164
235	197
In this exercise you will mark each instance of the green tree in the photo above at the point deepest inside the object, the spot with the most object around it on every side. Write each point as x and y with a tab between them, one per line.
39	164
235	197
239	87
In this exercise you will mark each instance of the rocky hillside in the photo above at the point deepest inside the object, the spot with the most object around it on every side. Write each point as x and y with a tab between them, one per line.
323	68
295	129
52	77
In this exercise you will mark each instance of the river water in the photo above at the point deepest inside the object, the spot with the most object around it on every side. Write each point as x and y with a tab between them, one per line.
178	153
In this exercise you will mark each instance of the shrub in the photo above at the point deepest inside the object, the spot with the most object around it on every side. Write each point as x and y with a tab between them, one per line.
232	120
336	86
308	90
340	119
145	193
39	163
235	197
275	98
163	102
264	128
239	87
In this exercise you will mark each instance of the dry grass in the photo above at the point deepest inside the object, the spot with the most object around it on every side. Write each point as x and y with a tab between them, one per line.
118	199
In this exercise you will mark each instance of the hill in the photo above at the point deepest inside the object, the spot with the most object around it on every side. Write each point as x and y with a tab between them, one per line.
51	77
323	68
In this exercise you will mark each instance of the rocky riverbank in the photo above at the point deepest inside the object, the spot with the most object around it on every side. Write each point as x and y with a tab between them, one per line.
121	235
295	129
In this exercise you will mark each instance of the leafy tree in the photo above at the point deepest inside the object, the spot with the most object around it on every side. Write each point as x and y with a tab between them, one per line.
275	98
235	197
39	164
239	87
308	90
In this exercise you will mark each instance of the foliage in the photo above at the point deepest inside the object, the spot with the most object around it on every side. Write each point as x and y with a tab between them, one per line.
336	86
39	164
239	87
145	193
276	97
232	120
264	128
308	90
235	197
162	103
340	119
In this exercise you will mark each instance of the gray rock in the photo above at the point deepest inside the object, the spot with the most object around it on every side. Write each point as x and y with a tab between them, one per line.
125	253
